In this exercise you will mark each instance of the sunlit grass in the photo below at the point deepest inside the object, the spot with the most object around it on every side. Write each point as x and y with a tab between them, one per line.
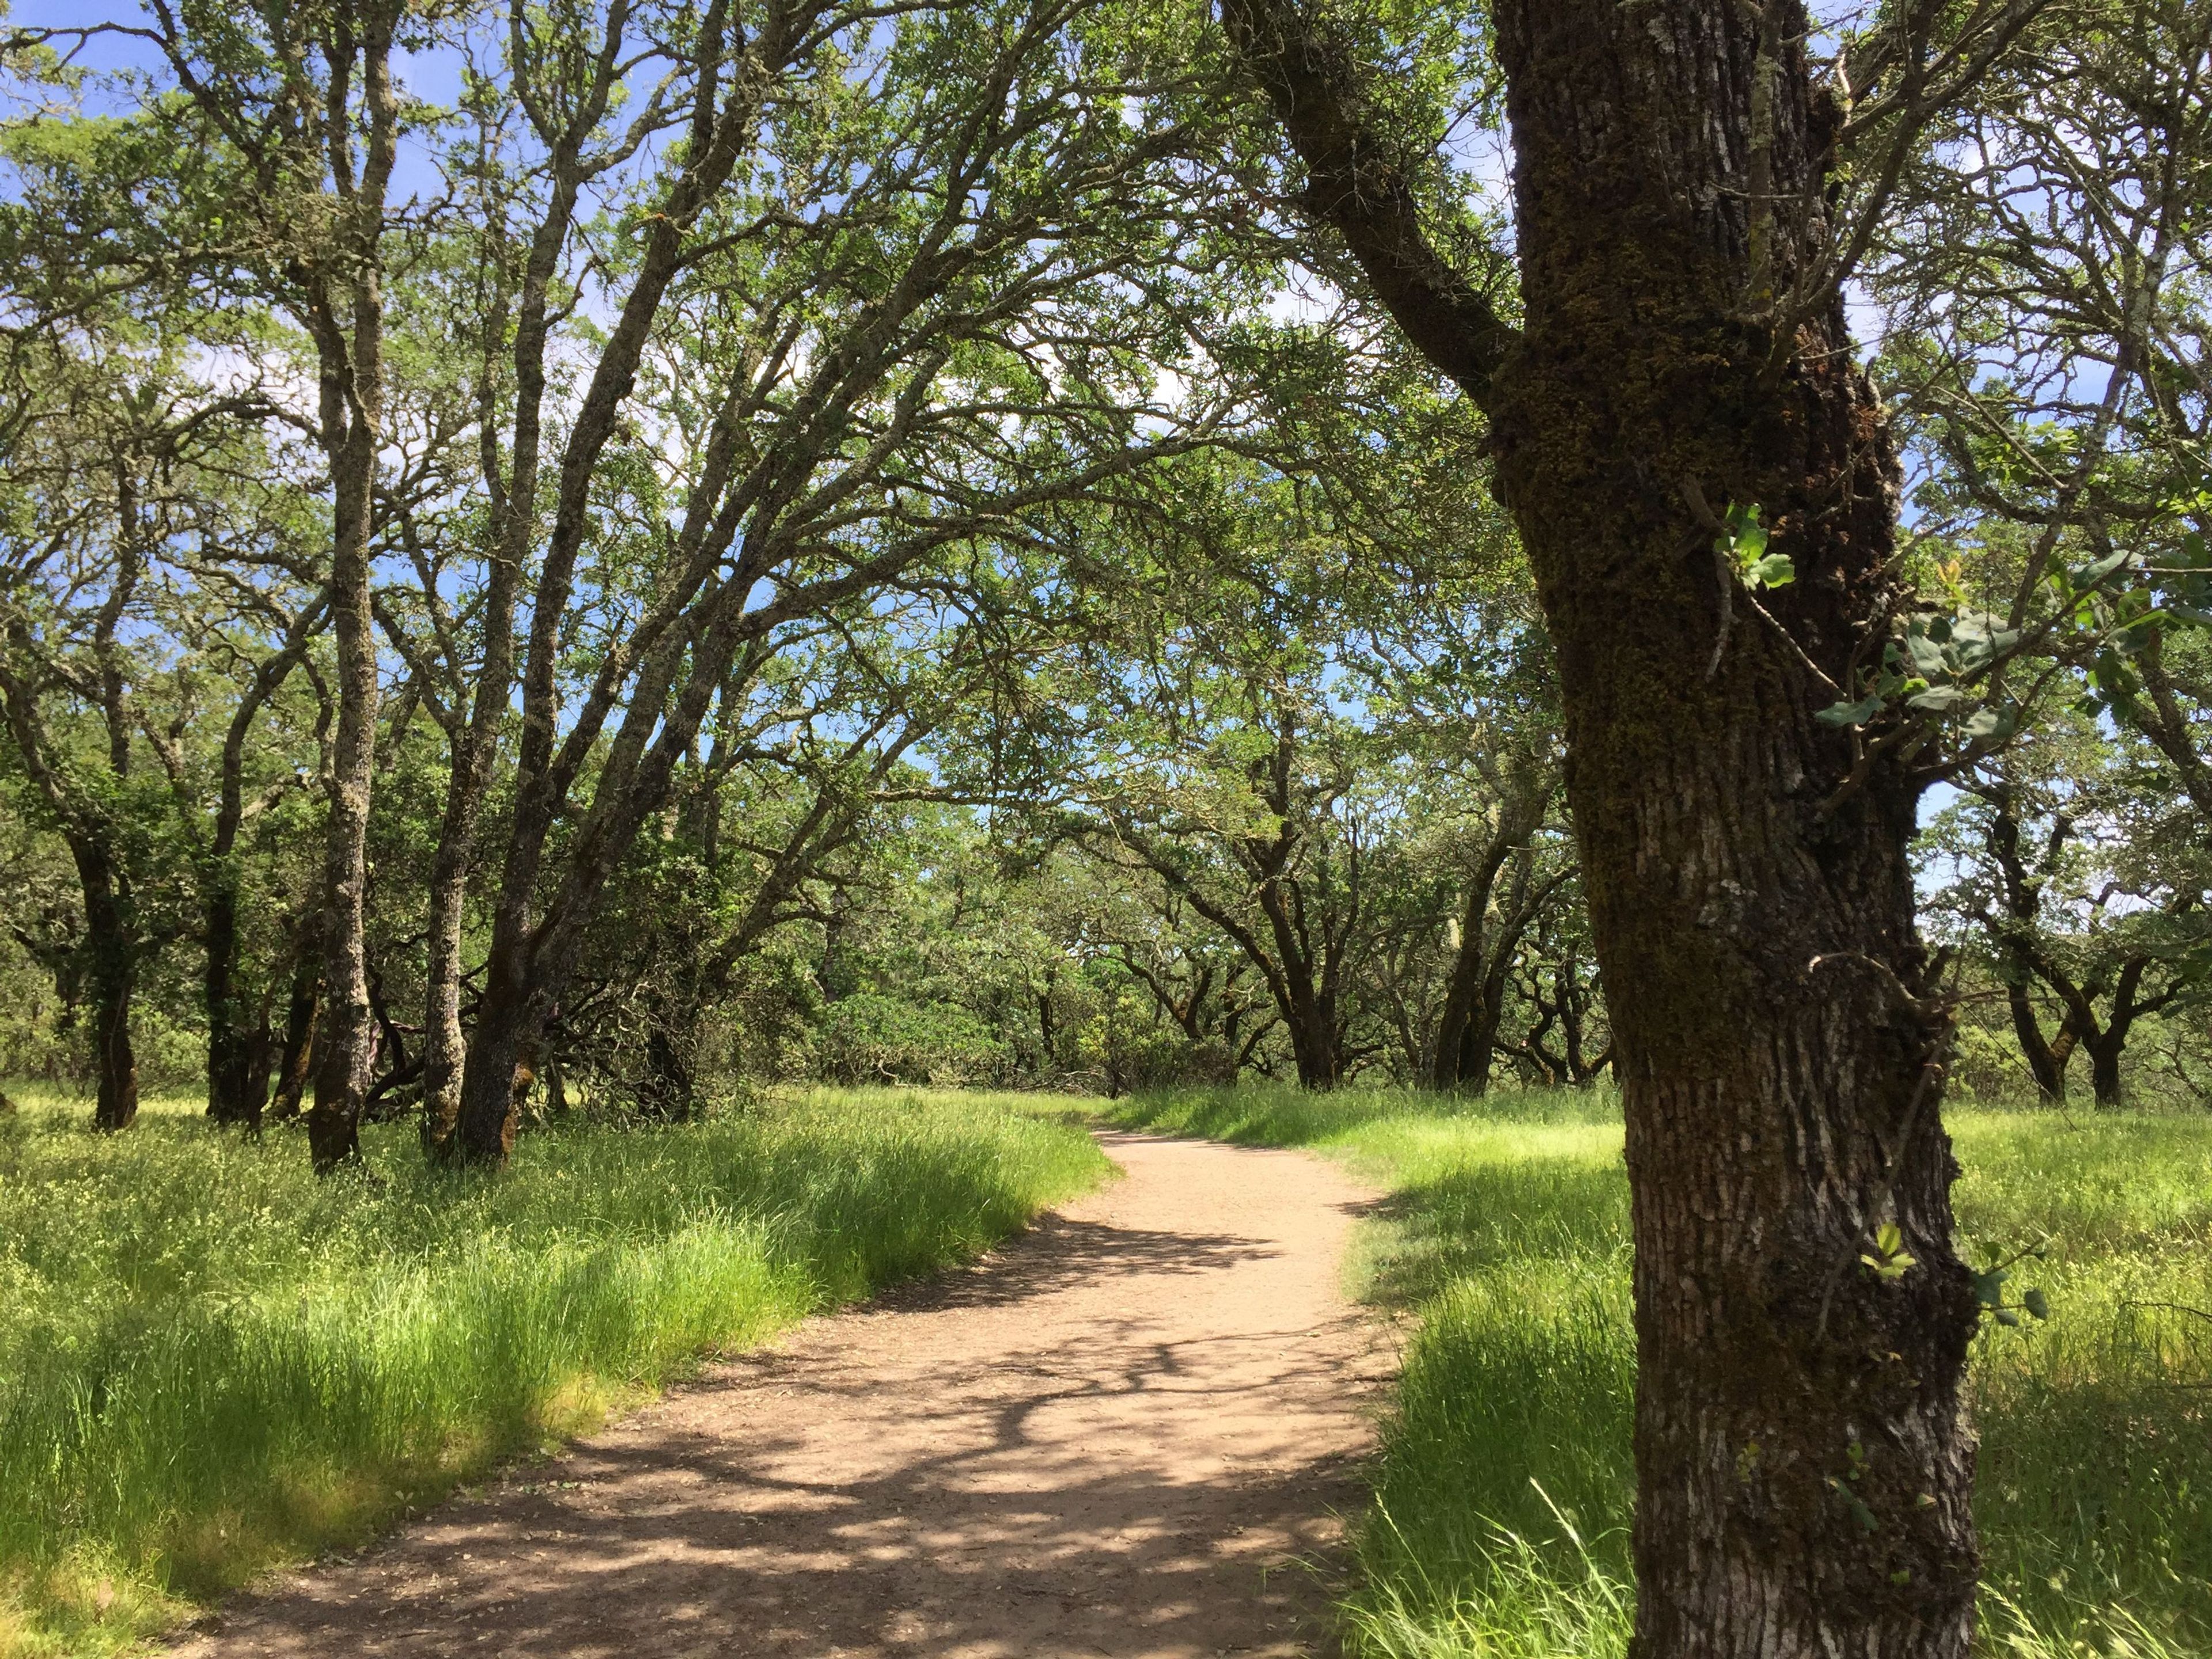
209	1361
1504	1484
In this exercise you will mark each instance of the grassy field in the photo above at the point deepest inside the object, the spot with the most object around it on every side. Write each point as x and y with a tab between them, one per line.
209	1361
1503	1488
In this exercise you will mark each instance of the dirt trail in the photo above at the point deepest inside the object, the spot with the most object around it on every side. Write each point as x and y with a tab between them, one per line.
1129	1433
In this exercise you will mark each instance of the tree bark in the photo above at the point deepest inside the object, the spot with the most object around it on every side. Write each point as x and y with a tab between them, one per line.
1804	1468
1468	1025
1475	1004
232	1096
109	954
2047	1062
350	350
1478	1038
111	980
2105	1066
513	492
237	1084
302	1007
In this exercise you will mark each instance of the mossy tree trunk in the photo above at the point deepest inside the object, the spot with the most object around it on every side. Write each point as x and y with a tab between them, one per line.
1804	1468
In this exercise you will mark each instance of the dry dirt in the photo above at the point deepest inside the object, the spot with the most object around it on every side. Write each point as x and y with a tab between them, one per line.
1131	1432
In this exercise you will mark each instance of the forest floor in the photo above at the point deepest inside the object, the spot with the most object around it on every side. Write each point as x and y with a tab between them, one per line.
1132	1432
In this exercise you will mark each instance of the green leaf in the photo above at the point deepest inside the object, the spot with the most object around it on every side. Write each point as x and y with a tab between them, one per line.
1926	655
2089	575
1849	714
1775	570
2037	1303
1938	699
1890	1259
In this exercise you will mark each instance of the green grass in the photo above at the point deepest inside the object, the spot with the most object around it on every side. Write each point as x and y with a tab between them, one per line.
211	1361
1504	1486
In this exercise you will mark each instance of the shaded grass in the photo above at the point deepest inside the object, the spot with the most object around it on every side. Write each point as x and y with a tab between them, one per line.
209	1361
1504	1486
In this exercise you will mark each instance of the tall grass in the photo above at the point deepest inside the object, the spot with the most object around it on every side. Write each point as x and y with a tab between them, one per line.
209	1361
1504	1486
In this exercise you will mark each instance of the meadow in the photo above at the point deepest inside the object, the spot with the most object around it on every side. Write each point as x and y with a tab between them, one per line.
1502	1490
210	1361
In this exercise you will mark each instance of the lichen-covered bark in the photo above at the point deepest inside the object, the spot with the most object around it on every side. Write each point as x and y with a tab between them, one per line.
349	346
1804	1468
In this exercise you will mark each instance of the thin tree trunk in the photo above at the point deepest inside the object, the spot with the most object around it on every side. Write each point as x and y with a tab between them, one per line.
513	519
301	1010
445	1044
344	1058
111	979
232	1096
1463	991
1804	1469
108	959
352	368
1475	996
236	1069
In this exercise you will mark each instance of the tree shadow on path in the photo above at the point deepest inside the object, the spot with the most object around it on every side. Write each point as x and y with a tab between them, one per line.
1113	1438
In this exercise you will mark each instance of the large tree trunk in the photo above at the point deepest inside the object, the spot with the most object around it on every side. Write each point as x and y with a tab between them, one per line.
1804	1469
2105	1066
2046	1062
2106	1046
1478	1039
1314	1043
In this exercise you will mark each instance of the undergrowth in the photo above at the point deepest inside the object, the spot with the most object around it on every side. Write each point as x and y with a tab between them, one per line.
1503	1488
210	1361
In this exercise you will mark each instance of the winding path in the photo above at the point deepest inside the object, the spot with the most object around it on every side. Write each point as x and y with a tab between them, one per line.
1129	1433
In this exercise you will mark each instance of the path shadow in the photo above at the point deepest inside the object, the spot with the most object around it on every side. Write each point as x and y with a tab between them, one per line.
1058	1252
960	1487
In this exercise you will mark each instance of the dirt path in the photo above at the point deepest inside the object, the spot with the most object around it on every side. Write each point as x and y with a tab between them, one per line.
1126	1434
